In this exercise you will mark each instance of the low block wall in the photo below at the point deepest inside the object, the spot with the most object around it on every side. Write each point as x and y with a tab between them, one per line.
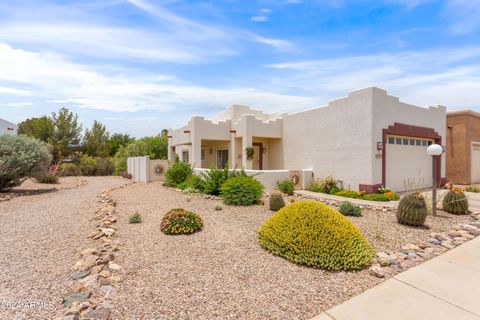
143	169
300	178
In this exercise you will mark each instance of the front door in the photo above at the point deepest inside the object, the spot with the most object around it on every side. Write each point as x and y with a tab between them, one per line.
257	162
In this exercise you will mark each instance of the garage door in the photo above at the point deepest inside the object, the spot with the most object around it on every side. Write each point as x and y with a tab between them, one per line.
475	162
408	166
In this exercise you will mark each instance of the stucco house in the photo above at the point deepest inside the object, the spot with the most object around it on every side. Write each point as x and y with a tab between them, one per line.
367	139
7	127
463	146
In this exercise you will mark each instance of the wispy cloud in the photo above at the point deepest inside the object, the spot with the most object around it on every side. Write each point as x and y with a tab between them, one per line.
448	76
464	15
262	15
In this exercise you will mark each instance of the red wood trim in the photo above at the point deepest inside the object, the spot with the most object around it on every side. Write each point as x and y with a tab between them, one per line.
233	131
401	129
369	188
169	137
11	129
186	131
260	147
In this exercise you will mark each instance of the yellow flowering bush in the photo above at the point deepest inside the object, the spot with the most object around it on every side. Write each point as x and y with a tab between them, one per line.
180	221
314	234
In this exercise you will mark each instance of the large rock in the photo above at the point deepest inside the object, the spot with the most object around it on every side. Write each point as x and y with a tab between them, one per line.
377	272
80	296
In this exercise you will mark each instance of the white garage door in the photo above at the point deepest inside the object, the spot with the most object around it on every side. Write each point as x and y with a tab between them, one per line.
408	166
475	162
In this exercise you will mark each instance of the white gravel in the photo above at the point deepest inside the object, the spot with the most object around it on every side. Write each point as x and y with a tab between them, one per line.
41	236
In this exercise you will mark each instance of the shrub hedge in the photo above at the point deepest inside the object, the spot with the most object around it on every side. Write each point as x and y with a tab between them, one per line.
241	190
178	173
313	234
286	186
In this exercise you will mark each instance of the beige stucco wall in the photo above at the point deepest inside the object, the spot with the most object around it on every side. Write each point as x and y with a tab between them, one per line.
388	109
7	127
334	139
152	174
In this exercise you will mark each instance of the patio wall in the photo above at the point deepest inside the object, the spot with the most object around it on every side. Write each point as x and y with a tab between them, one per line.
269	178
143	169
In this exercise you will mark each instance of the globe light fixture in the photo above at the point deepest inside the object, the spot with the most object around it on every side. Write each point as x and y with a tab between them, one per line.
434	150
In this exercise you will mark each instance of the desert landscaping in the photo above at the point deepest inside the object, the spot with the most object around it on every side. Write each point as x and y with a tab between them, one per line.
220	272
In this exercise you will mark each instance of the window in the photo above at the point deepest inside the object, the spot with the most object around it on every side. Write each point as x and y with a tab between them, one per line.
429	142
405	142
203	154
418	142
399	140
391	140
222	159
185	156
424	143
412	142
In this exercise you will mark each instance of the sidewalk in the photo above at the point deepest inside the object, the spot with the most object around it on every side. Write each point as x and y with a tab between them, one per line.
446	287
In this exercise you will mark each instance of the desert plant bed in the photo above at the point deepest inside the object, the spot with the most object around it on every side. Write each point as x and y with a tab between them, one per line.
223	272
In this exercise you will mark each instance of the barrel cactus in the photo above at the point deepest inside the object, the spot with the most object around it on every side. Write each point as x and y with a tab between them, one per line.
276	201
412	210
455	202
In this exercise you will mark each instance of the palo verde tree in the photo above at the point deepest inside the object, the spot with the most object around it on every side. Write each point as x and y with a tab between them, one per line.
95	140
67	133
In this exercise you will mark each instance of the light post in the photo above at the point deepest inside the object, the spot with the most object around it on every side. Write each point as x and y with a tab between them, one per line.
434	150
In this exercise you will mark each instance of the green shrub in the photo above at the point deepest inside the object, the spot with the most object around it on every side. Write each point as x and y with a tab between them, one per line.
349	209
276	201
69	169
46	178
455	202
350	194
21	156
472	189
193	182
104	167
218	207
178	173
412	209
328	185
317	186
376	197
241	191
88	165
214	178
313	234
286	186
135	218
180	221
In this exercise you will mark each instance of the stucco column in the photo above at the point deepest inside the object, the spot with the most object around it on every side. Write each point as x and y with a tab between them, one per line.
171	154
232	156
196	156
246	143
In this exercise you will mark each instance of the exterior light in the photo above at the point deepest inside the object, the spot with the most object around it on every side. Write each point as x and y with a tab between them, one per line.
434	150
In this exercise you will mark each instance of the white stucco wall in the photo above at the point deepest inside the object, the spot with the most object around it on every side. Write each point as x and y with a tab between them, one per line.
335	139
6	126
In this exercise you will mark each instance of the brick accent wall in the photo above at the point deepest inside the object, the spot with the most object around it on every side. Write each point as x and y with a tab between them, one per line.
462	129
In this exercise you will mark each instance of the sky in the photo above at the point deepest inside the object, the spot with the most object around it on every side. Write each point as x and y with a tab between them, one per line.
138	66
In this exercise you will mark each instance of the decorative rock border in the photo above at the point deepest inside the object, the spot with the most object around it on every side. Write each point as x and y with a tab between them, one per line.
386	265
96	273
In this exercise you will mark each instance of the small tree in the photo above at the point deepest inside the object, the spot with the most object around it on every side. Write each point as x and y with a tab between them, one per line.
118	140
95	140
21	156
39	128
67	133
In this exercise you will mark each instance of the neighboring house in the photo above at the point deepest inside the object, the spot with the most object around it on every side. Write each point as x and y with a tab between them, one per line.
7	127
463	146
367	139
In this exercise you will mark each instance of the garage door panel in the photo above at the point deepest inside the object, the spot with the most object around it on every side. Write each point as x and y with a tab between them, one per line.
475	167
408	167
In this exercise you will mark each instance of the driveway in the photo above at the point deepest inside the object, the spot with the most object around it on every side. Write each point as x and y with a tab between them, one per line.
41	236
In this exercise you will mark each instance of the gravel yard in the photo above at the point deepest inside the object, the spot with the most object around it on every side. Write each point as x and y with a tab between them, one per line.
221	272
41	235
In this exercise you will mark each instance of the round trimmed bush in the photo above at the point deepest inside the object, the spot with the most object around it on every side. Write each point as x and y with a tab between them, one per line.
180	221
178	173
455	202
314	234
243	191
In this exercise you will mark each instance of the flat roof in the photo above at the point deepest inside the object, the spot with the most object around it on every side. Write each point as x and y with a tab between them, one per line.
464	112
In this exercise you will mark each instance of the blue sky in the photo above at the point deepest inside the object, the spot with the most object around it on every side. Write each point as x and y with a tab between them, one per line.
142	65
